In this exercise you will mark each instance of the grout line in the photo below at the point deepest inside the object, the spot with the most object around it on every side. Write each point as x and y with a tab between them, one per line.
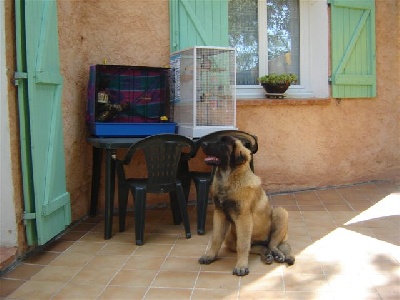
159	269
201	267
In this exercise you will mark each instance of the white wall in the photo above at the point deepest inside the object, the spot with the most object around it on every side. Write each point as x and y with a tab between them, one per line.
8	226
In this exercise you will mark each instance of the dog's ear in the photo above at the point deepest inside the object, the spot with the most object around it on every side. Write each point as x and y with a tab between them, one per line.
237	158
240	158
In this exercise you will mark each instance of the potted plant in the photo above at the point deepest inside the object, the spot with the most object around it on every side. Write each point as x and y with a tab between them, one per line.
277	83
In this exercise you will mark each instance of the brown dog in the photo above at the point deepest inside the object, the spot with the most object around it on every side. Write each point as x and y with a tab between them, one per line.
243	216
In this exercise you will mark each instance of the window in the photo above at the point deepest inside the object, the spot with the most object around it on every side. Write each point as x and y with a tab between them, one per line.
206	23
280	36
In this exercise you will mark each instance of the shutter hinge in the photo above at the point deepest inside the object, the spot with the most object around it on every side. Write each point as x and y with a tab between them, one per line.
329	2
29	216
19	75
330	80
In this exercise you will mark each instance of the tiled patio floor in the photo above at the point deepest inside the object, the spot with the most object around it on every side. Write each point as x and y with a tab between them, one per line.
346	240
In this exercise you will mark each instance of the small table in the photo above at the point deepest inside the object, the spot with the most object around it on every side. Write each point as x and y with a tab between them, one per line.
111	145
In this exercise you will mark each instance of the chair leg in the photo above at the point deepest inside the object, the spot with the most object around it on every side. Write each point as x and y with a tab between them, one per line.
183	209
176	215
202	190
140	211
123	191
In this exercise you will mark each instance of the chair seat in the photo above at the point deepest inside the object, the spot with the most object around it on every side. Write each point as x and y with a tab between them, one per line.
159	188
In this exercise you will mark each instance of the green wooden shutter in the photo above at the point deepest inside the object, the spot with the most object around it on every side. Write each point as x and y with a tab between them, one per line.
353	48
198	23
46	201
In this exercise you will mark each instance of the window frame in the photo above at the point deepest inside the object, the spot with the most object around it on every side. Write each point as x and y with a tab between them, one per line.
314	53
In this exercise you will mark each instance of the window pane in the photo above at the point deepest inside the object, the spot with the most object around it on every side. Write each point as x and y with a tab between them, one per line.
283	38
243	35
283	27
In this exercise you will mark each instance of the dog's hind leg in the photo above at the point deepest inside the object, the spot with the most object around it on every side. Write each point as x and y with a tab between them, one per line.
266	255
285	248
278	235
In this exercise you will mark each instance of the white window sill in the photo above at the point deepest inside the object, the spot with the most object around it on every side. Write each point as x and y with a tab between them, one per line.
258	92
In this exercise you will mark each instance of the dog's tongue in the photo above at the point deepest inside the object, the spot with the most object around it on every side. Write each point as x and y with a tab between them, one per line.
211	160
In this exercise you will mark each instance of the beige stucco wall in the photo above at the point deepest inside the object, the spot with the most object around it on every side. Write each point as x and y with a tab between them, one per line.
301	146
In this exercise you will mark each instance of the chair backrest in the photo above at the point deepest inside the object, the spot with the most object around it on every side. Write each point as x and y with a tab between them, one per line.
162	153
249	141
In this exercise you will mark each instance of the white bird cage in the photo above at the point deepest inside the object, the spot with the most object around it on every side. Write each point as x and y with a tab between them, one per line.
204	90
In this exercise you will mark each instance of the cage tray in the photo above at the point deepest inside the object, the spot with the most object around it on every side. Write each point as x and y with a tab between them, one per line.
130	129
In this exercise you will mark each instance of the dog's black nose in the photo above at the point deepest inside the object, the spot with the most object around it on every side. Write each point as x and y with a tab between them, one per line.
204	144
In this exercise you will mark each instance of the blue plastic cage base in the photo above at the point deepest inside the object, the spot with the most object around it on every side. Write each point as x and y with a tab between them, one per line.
130	129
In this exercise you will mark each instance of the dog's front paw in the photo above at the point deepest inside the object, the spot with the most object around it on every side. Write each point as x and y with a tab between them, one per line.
240	271
206	260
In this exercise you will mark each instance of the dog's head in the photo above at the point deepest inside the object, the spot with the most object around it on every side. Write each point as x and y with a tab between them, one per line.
226	152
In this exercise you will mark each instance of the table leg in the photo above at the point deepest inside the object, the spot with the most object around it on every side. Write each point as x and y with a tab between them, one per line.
109	193
96	175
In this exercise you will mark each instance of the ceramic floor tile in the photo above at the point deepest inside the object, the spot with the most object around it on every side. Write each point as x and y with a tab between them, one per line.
262	282
166	239
134	277
55	273
75	290
8	286
72	259
214	280
282	199
175	279
168	293
301	282
86	247
315	295
153	250
24	271
59	245
108	261
256	295
123	292
186	250
42	258
84	227
201	294
118	249
93	275
144	263
72	235
181	264
195	239
36	290
125	237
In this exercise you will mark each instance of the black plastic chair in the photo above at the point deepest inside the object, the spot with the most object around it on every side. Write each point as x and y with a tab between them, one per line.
162	153
203	180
